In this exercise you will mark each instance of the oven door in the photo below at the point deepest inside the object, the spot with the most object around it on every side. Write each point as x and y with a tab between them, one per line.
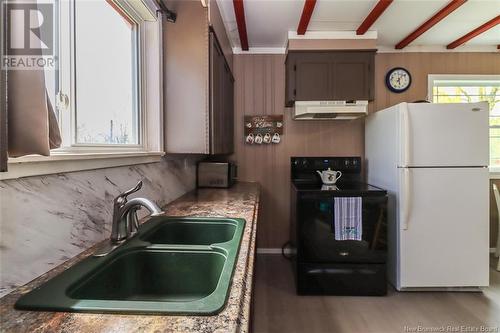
316	232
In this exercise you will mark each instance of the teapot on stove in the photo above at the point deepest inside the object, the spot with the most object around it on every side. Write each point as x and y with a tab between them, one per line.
329	176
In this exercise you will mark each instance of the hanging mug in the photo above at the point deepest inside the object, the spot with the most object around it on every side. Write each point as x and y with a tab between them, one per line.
267	138
276	138
258	139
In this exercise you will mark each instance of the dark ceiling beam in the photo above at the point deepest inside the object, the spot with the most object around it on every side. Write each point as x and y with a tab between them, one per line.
239	12
448	9
379	8
306	16
479	30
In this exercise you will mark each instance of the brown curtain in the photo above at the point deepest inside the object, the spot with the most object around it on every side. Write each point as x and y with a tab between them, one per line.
31	123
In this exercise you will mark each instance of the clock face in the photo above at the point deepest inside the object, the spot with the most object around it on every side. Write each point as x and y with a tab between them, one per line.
398	80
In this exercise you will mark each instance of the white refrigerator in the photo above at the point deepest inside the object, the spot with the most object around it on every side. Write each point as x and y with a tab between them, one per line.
432	159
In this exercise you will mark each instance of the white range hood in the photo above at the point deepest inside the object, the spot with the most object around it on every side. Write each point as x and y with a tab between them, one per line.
329	110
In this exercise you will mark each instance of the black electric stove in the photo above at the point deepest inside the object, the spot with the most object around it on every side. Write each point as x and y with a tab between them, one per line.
325	265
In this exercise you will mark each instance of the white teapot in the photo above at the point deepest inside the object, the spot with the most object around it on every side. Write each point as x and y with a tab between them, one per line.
329	176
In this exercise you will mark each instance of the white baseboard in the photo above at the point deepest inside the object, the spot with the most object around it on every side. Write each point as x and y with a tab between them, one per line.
273	250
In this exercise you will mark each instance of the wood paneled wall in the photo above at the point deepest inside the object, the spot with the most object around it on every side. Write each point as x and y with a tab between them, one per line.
422	64
260	88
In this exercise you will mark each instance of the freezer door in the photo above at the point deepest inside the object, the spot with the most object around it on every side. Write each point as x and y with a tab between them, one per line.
444	222
444	134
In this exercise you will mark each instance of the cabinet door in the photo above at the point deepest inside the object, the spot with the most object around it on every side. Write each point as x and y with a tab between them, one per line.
290	68
216	97
312	76
228	112
352	75
221	102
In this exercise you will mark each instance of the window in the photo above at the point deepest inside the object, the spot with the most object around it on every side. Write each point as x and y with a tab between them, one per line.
101	97
468	89
106	89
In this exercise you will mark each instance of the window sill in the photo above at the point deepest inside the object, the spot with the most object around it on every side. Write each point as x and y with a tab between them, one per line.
35	165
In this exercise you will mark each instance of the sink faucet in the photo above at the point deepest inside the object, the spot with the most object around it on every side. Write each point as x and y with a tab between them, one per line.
125	221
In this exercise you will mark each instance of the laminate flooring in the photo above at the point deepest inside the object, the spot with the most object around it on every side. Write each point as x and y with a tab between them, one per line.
277	308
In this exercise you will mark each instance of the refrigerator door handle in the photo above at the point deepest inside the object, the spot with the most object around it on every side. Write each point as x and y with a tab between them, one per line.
406	127
407	198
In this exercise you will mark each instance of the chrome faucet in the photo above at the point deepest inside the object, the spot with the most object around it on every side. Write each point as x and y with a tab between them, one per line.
125	221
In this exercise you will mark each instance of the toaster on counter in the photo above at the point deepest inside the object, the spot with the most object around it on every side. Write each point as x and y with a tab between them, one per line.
215	174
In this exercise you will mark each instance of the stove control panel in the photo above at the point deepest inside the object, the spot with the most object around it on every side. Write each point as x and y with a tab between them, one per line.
311	164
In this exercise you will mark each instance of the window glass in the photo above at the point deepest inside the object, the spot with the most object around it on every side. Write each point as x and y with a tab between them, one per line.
105	75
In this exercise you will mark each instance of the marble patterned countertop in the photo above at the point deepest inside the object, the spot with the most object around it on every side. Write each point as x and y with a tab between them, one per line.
242	200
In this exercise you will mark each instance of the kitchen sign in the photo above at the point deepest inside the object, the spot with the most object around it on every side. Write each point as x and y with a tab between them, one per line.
263	129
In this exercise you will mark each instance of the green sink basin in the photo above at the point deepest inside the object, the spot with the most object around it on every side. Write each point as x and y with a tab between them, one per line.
150	275
172	265
187	232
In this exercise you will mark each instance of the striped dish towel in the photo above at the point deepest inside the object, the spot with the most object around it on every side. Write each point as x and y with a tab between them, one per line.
347	218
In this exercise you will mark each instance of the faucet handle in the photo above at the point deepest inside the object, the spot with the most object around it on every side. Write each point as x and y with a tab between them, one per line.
125	194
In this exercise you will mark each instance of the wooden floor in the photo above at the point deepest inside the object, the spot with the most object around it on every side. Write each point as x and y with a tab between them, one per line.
277	308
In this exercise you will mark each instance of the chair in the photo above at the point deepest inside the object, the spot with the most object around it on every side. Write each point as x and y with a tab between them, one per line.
497	199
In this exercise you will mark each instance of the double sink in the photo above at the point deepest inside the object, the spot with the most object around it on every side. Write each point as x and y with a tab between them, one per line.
171	266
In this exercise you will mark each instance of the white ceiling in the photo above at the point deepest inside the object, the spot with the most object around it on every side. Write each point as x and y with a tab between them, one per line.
268	21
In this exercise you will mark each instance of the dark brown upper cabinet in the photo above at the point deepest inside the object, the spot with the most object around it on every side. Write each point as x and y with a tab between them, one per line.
329	75
313	80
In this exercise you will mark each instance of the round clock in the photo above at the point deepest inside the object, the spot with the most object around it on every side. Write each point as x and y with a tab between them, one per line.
398	80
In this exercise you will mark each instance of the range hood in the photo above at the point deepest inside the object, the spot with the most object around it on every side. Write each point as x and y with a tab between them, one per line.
329	110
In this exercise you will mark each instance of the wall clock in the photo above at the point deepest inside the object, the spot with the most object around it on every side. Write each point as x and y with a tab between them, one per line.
398	80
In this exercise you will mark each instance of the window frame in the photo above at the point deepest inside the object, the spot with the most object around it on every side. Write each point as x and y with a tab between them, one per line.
78	157
431	78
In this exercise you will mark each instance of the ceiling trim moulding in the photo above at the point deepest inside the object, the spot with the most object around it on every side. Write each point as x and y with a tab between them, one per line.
332	35
436	48
380	49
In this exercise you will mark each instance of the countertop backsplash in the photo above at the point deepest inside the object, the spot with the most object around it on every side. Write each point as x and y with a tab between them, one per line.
46	220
